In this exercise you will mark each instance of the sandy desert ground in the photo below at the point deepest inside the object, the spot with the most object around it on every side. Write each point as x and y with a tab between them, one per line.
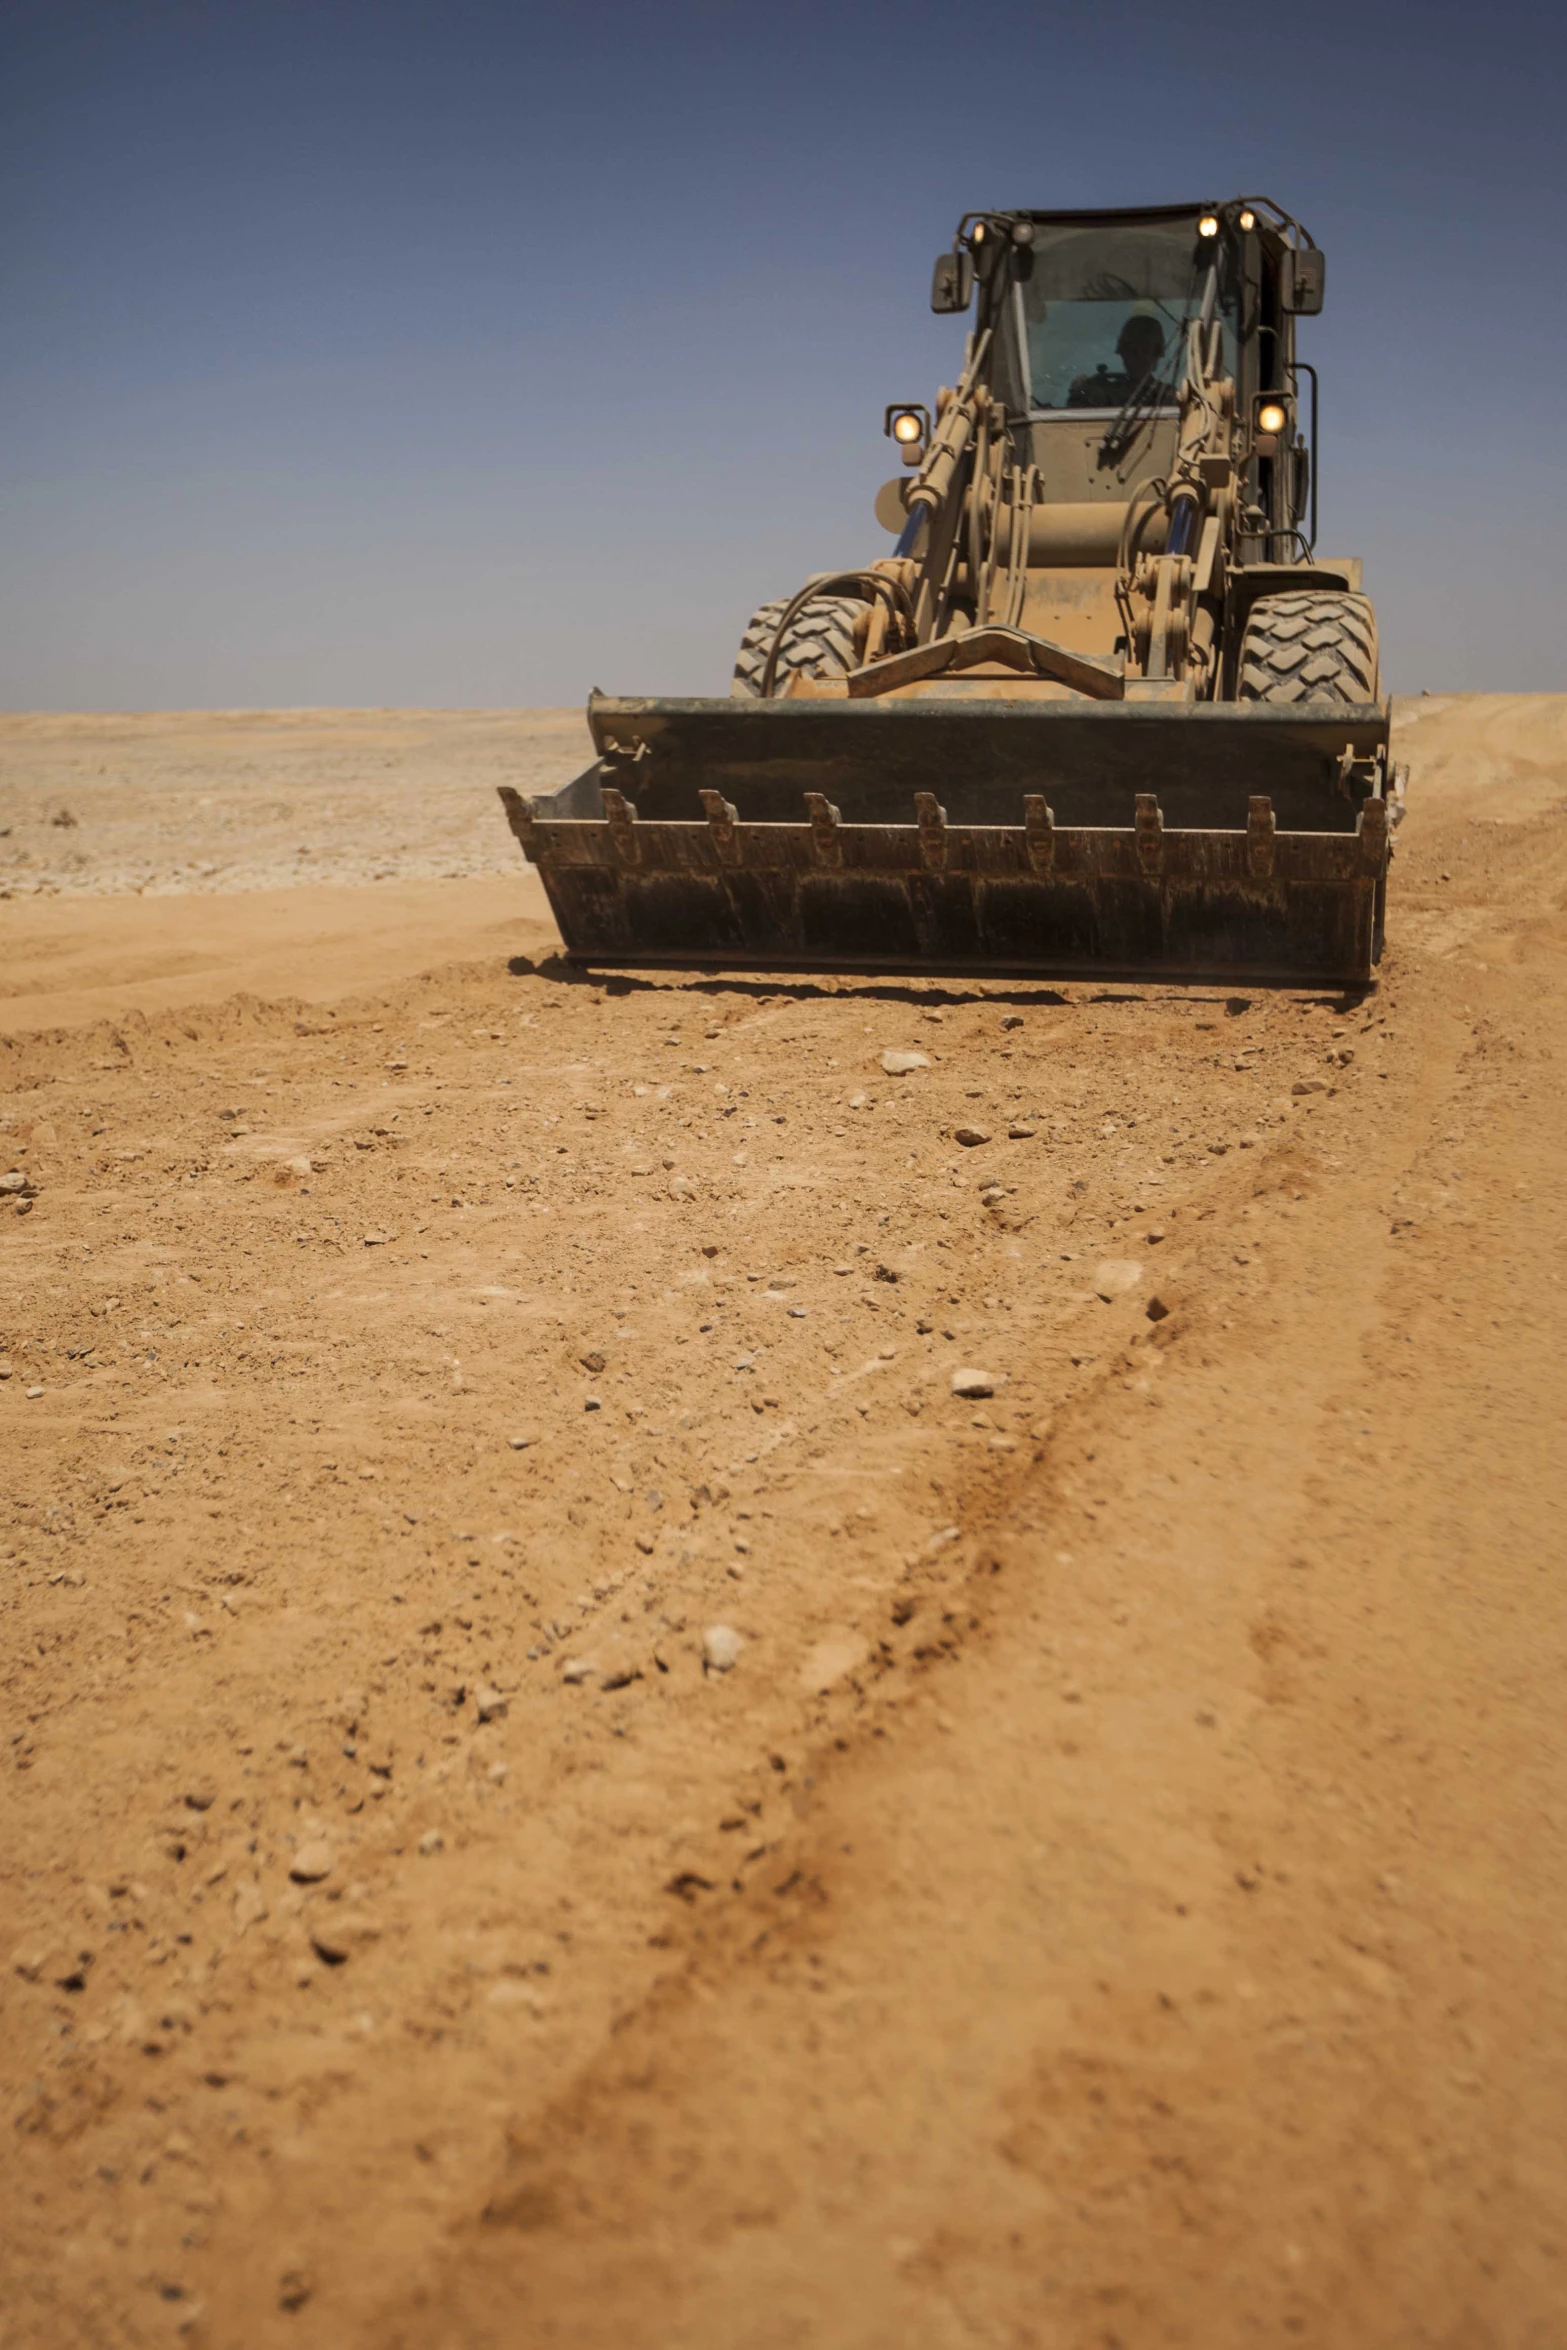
562	1788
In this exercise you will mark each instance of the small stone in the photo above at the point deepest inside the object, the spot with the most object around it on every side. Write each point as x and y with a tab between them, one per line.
1159	1309
378	1239
971	1384
295	2287
348	1929
311	1862
250	1904
33	1393
721	1648
1309	1085
14	1184
489	1705
592	1403
1011	1019
431	1842
521	1443
578	1668
1117	1276
593	1362
1021	1132
971	1136
903	1064
832	1660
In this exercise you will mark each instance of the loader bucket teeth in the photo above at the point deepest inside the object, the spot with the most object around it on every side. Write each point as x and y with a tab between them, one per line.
1151	854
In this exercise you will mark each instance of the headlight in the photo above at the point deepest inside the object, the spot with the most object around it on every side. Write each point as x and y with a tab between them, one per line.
1208	226
1248	220
907	427
1272	416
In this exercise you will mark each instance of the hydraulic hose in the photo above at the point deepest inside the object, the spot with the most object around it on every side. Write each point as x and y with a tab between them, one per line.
868	584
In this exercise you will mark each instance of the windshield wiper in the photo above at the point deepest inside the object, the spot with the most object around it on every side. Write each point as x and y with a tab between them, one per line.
1134	411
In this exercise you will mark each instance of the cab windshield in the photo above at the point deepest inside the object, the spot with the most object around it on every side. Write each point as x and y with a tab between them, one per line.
1103	308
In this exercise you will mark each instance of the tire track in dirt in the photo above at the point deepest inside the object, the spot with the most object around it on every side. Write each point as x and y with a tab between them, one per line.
1188	1975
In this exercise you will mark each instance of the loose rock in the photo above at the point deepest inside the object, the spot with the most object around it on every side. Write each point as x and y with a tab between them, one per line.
832	1660
250	1904
489	1705
312	1862
721	1647
971	1136
973	1383
1117	1276
900	1064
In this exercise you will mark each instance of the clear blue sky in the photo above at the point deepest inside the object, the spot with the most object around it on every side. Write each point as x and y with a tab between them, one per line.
440	352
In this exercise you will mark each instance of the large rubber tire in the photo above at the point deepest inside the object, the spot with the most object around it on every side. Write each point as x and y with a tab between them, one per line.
819	643
1319	645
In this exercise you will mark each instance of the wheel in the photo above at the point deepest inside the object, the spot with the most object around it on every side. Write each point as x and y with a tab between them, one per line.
1319	645
820	642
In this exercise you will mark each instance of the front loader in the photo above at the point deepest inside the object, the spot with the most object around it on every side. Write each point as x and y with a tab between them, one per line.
1102	710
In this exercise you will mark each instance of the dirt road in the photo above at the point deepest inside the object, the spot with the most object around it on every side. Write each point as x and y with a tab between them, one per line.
566	1788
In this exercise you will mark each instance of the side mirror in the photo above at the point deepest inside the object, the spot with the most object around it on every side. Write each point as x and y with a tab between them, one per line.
1305	274
952	283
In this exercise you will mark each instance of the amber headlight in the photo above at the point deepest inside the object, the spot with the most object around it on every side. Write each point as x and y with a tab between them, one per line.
1272	416
907	427
1208	226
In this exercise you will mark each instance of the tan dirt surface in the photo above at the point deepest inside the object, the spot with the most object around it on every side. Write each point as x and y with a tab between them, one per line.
564	1787
235	800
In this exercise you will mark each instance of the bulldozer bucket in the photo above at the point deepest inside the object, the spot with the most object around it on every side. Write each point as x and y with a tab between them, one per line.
1208	841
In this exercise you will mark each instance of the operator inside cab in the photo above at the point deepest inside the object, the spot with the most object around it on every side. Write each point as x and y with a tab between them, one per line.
1139	346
